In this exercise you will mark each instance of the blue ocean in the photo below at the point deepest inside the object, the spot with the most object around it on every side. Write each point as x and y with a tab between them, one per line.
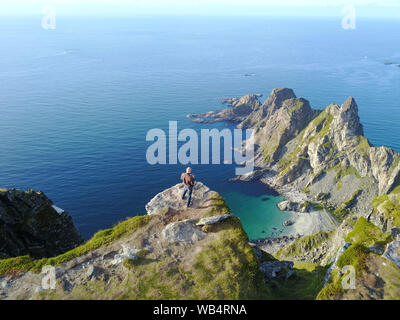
76	102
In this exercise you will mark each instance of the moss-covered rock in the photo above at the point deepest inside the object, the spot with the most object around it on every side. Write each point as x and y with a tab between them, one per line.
387	210
367	234
302	246
375	276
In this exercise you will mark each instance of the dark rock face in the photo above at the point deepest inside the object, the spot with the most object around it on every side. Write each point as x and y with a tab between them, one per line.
277	270
280	119
31	225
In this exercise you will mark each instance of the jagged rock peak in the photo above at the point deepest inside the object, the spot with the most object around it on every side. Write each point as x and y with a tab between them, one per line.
279	95
274	102
349	115
276	99
249	99
350	105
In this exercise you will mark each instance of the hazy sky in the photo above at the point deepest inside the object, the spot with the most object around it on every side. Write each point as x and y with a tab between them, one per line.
379	8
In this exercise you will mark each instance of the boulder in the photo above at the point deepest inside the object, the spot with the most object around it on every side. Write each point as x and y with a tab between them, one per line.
185	232
287	223
172	198
288	206
127	253
92	271
294	206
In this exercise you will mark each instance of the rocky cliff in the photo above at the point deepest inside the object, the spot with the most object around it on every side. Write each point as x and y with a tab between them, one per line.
321	161
31	224
171	253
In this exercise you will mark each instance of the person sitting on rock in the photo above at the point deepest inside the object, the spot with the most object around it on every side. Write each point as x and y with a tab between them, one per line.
188	181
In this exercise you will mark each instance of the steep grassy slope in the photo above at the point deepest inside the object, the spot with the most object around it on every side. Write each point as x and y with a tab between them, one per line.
219	265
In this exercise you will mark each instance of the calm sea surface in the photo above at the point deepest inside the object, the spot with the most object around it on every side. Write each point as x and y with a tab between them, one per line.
76	102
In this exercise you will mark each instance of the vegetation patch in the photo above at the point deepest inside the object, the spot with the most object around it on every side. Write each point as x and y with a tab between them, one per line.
303	245
333	289
298	106
219	206
367	234
363	145
389	206
317	129
347	204
140	259
230	257
269	151
226	268
100	239
304	285
340	213
356	256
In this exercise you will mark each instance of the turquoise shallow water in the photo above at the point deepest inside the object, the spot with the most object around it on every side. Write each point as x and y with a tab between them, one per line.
259	214
76	102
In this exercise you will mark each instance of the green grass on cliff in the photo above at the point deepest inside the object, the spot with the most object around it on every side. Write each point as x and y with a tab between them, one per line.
218	206
304	285
298	106
367	234
225	268
356	255
319	127
100	239
343	171
333	289
363	235
236	275
303	245
389	206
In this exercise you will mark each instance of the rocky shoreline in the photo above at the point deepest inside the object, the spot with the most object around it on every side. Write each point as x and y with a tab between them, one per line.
272	244
304	222
318	160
